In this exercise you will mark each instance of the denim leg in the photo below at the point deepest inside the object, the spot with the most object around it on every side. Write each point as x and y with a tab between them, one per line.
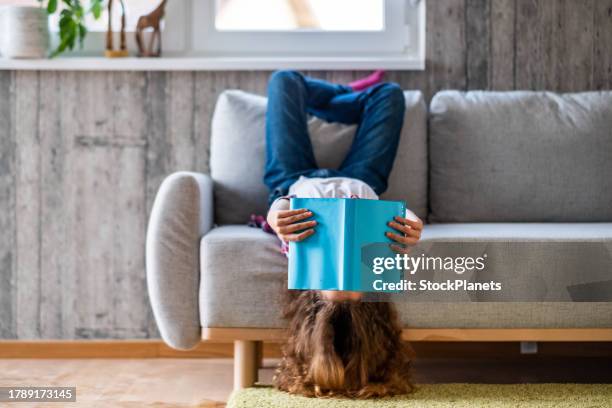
379	111
289	154
373	151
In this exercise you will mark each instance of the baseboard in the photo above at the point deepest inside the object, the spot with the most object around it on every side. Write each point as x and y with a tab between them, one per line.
515	334
118	349
68	349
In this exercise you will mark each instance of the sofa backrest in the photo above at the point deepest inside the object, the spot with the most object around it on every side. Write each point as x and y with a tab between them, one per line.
520	156
237	155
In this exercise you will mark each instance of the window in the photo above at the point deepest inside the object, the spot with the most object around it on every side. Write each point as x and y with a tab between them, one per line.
387	32
288	15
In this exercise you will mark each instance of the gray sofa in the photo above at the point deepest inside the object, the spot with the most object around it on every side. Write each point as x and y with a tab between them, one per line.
488	166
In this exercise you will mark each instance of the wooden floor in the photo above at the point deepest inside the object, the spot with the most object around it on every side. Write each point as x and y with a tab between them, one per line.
168	382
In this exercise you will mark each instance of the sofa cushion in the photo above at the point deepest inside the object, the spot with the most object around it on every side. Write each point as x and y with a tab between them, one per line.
237	155
243	275
246	290
536	261
520	156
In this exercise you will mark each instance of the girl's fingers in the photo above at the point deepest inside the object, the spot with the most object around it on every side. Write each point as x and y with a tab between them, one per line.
289	213
298	237
402	228
405	229
402	239
294	218
412	232
414	224
296	227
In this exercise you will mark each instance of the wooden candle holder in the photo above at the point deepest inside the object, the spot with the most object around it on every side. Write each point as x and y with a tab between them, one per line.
110	52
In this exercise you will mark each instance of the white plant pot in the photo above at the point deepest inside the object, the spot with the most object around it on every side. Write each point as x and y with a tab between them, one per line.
24	32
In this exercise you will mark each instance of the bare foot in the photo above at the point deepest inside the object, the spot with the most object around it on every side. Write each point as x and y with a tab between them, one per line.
366	82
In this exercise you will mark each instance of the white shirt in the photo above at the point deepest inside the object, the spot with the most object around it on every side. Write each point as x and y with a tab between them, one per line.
331	187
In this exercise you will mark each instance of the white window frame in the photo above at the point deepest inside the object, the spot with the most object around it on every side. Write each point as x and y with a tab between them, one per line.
400	45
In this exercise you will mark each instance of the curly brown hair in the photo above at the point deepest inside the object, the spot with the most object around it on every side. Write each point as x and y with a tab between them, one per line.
352	349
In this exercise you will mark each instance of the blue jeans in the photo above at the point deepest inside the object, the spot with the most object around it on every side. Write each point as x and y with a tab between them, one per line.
378	111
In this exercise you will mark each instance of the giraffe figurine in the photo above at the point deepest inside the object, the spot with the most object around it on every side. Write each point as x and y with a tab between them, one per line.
110	52
151	20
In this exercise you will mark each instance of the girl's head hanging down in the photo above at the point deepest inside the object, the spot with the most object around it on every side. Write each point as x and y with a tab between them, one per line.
342	348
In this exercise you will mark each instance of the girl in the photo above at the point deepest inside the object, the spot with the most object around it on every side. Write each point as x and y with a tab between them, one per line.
338	345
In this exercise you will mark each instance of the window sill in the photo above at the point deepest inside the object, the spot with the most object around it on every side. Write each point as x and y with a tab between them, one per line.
197	63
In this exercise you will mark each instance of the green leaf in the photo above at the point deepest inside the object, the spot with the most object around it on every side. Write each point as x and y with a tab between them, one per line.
52	6
82	34
72	28
96	8
78	7
71	39
64	40
65	21
68	32
78	10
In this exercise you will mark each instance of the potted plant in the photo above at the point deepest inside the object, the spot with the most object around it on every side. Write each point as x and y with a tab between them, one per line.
26	31
72	27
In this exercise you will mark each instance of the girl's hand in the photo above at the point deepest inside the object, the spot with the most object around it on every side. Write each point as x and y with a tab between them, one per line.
410	230
290	226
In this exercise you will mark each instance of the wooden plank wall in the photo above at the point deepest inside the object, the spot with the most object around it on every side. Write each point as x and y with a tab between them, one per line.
82	154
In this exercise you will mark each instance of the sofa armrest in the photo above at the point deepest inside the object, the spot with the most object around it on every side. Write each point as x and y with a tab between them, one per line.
182	213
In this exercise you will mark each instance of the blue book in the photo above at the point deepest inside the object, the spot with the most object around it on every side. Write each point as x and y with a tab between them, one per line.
334	257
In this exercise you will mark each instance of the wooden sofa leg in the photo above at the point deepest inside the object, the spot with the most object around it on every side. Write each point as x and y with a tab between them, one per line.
245	363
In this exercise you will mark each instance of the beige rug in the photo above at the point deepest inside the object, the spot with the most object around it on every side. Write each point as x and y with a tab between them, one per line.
445	396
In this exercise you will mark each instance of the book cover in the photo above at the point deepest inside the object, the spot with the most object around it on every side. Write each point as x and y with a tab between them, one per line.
332	258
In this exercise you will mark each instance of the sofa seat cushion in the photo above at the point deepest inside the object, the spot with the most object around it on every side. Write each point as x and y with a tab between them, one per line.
244	275
533	261
590	231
